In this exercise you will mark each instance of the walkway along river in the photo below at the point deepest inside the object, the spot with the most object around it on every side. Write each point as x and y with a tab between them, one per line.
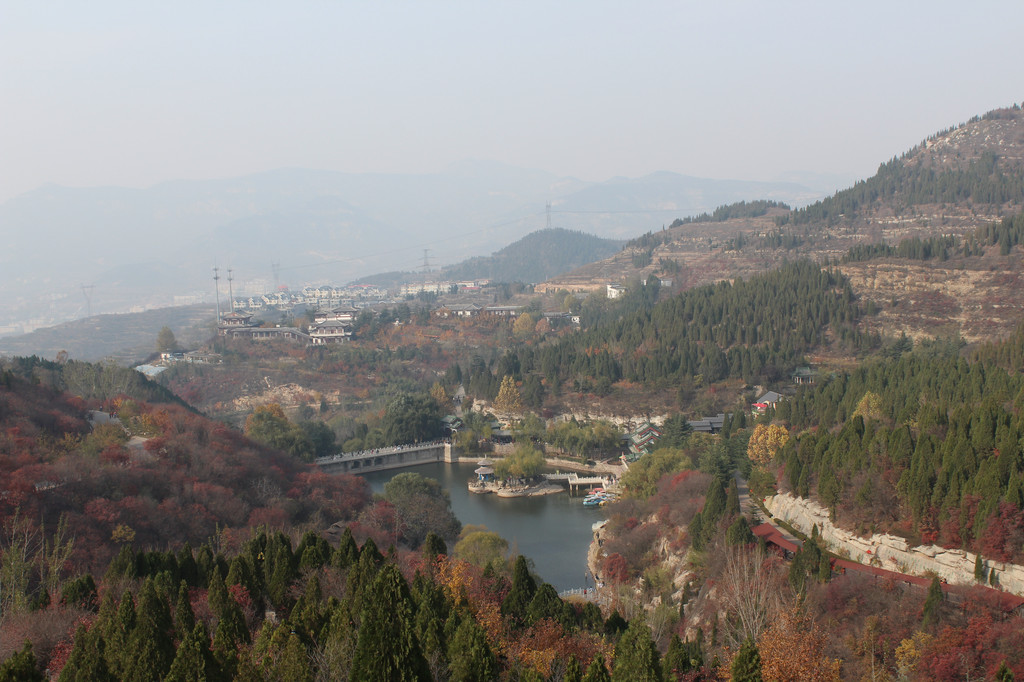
552	530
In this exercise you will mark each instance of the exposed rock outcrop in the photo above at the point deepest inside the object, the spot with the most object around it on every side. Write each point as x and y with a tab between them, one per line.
956	566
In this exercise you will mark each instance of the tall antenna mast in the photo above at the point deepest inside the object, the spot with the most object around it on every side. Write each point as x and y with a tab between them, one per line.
547	208
216	288
231	294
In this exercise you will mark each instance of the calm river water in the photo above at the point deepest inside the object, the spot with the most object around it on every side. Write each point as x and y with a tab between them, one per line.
553	530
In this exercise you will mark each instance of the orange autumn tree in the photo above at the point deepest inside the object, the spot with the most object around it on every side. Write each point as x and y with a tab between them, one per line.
792	650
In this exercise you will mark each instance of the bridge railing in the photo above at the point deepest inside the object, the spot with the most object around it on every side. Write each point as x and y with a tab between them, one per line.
376	452
588	593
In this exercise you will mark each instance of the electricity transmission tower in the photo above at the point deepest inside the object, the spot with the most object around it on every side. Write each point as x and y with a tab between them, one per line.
87	291
216	288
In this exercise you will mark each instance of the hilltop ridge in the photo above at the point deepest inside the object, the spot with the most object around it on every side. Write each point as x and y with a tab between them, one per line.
952	184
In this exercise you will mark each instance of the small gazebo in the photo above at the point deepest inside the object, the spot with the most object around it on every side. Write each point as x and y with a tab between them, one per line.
484	472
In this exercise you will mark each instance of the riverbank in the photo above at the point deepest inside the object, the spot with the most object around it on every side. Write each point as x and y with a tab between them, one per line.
557	463
595	555
504	490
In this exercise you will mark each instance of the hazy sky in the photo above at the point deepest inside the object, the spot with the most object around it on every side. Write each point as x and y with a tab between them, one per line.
131	93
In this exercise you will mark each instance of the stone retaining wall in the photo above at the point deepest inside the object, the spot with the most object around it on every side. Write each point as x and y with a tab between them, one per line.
889	551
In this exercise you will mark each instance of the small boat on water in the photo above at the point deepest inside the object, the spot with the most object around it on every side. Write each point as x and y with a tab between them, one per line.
598	498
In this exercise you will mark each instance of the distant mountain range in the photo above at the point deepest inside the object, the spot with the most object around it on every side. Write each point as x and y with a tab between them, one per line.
67	251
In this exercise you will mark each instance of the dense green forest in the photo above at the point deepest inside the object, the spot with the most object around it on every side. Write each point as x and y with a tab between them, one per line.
757	330
275	611
927	443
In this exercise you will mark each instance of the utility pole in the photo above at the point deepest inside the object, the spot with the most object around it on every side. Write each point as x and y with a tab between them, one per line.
216	288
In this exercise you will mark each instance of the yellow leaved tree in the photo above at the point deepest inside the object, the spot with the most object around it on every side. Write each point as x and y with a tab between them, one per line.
509	400
765	442
793	650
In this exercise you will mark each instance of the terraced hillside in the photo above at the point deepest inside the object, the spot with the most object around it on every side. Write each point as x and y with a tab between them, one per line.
951	184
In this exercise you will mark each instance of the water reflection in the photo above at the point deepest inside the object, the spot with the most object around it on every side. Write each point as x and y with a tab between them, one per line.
553	530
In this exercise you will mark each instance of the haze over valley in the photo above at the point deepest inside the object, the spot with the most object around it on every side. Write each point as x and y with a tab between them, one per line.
529	342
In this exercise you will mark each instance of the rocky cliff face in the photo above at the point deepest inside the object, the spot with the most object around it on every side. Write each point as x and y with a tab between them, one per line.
888	551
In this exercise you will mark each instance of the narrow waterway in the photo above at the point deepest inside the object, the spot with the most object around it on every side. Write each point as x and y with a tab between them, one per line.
552	530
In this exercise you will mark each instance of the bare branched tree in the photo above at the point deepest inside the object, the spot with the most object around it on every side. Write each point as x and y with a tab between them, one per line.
20	544
750	594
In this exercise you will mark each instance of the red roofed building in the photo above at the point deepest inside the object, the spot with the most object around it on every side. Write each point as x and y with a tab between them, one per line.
773	538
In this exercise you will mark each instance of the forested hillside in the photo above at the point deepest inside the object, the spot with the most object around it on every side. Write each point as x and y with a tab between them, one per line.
157	475
933	199
757	330
278	612
926	444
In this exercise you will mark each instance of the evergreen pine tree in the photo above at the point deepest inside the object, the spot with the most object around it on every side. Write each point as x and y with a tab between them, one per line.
387	648
81	593
21	667
739	533
187	569
980	574
524	587
432	609
597	671
545	604
347	553
280	578
87	662
361	576
732	500
1004	674
320	554
932	603
193	659
240	573
338	639
308	613
615	625
433	546
824	568
231	633
217	596
117	649
573	671
123	566
293	665
151	644
184	617
470	655
636	656
676	661
746	666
